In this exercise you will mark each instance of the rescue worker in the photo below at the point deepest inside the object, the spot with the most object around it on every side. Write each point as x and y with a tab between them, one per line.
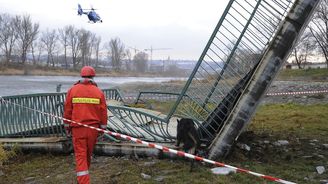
85	103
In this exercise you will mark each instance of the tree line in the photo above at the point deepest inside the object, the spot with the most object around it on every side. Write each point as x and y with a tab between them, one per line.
73	47
314	40
69	46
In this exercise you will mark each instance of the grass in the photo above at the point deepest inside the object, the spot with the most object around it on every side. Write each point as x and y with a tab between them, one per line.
301	74
304	126
283	120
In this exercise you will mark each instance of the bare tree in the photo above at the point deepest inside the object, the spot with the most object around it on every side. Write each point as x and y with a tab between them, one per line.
74	43
319	28
303	48
63	38
116	51
140	61
8	35
49	39
128	59
96	45
37	48
27	33
84	38
94	50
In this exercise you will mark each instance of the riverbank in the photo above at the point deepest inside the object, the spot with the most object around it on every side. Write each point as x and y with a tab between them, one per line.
314	74
57	71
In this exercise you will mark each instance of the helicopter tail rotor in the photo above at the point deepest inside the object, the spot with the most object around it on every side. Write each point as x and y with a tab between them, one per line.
79	9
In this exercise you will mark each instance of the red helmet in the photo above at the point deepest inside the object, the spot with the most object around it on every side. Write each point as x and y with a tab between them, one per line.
88	71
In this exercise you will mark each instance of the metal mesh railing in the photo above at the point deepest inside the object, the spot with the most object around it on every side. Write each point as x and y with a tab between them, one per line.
228	60
136	122
17	119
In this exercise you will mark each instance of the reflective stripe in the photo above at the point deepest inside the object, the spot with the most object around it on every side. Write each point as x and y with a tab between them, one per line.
82	173
86	100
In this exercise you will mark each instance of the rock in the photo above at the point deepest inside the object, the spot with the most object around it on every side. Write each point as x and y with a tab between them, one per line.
222	170
266	142
159	178
145	176
312	144
320	156
314	140
320	169
244	147
325	146
324	181
281	143
147	164
116	174
1	173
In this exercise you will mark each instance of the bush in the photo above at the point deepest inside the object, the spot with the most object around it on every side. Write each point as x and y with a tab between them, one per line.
5	155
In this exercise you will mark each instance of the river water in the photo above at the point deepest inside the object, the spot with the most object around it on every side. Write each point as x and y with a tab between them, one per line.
18	85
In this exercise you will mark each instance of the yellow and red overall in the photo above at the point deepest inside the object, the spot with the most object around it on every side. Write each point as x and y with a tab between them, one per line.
85	103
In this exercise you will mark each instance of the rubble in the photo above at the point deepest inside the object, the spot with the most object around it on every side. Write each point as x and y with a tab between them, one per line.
222	170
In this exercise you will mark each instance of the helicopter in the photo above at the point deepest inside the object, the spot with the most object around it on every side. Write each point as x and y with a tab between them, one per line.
92	15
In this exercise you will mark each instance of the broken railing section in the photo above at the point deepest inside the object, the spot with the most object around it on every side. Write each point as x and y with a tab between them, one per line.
272	60
232	53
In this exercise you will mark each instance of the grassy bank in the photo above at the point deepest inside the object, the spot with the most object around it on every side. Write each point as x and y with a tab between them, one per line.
320	74
19	69
303	126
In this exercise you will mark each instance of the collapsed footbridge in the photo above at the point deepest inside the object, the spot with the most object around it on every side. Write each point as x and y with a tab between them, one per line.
250	43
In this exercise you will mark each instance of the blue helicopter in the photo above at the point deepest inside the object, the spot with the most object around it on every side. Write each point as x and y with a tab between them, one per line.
92	15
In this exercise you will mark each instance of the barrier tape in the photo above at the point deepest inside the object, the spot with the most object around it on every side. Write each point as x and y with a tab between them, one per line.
268	94
297	93
163	148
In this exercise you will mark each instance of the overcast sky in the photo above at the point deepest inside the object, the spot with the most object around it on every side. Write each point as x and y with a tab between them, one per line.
183	25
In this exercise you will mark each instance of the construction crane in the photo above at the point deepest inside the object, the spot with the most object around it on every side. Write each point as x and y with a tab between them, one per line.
135	49
151	49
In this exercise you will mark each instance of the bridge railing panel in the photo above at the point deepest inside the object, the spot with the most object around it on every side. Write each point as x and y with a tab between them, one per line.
18	117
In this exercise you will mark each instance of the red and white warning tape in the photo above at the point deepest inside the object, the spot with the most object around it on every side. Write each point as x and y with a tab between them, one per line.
163	148
297	93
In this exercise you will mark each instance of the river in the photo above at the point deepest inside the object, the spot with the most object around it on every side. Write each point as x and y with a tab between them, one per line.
18	85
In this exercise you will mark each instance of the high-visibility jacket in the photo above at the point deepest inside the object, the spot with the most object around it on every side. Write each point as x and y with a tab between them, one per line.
85	103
